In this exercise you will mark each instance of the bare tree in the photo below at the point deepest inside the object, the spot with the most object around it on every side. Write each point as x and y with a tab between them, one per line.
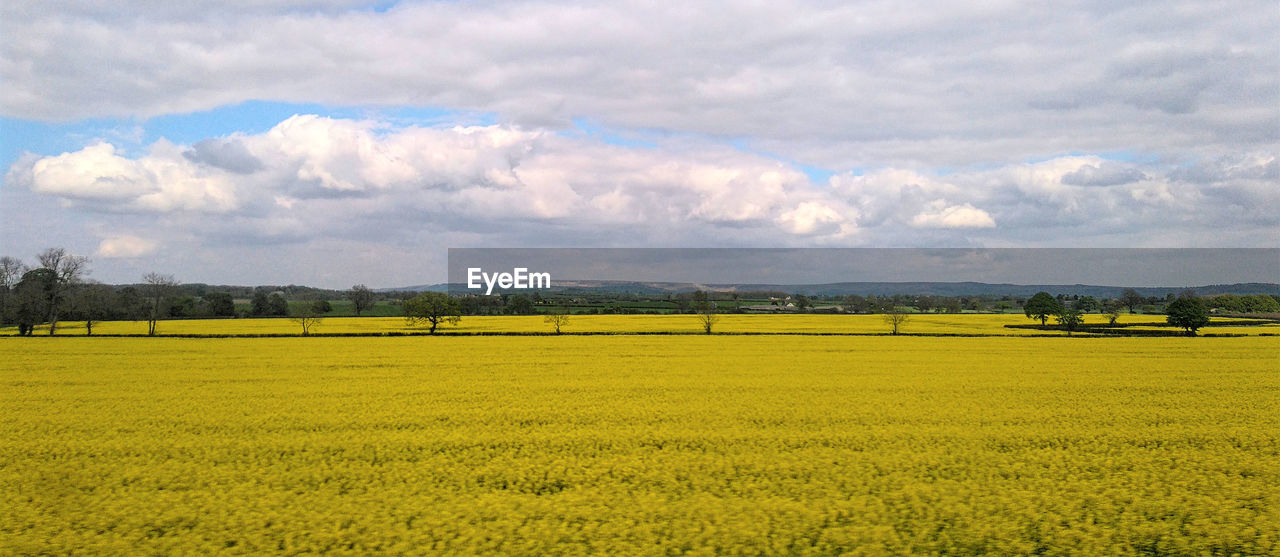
894	317
157	287
11	270
67	271
307	317
558	319
706	310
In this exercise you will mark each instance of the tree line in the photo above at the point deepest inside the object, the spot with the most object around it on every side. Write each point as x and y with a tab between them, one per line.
1187	311
56	287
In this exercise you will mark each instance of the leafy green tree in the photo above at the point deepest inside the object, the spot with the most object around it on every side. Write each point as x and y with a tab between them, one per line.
803	302
1087	304
259	304
130	304
434	308
185	306
519	304
1228	302
1261	303
221	304
481	305
1131	299
276	305
1188	313
951	305
1070	319
321	307
361	297
31	299
1042	306
1111	310
92	303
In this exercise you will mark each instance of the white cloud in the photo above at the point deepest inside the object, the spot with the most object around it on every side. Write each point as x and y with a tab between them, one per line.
891	195
315	169
312	183
811	217
95	172
161	181
126	247
835	85
940	215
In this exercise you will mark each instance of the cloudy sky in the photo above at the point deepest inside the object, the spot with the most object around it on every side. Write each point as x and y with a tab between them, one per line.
334	142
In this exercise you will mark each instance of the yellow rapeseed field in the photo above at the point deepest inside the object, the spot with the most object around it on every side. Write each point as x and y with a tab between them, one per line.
640	445
980	324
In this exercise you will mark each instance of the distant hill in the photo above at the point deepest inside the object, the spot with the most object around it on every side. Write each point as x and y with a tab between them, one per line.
880	288
418	288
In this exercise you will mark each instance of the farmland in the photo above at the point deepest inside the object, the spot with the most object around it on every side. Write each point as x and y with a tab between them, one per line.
929	324
641	444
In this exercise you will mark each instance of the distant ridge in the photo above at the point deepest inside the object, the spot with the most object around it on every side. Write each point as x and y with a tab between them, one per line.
880	288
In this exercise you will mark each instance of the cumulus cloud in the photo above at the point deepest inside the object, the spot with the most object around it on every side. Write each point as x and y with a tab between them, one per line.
125	246
891	196
321	184
314	179
314	176
940	215
811	217
96	175
94	172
